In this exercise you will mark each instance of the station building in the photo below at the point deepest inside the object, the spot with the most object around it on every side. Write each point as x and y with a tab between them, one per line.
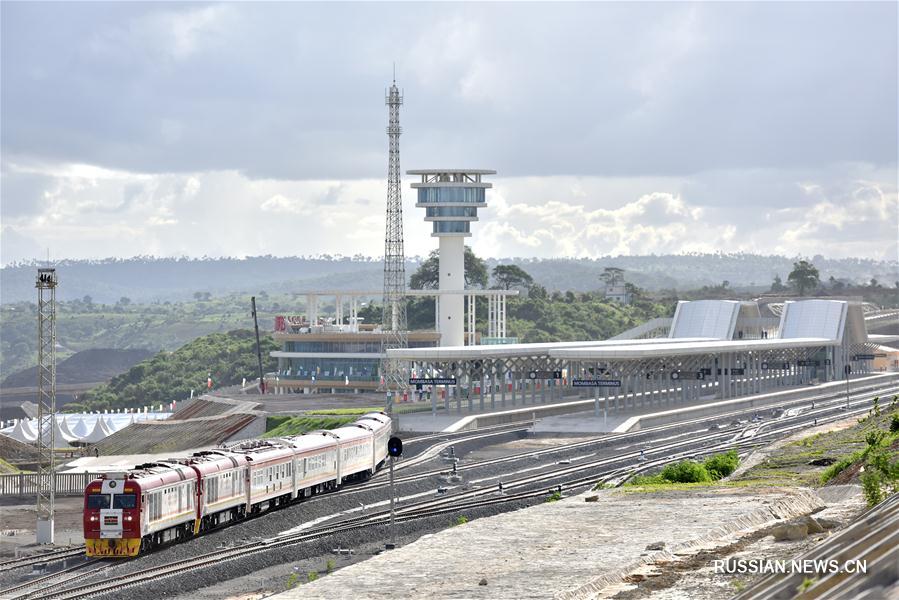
709	349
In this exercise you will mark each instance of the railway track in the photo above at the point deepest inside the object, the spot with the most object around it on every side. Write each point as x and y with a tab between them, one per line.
608	469
821	402
41	559
63	577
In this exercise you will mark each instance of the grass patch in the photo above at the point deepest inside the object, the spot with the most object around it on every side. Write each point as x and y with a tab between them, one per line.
7	469
304	424
841	465
710	470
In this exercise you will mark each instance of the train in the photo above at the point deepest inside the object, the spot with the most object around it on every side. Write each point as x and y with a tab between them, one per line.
132	512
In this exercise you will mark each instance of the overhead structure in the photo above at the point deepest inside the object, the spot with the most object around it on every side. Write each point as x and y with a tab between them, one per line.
46	402
393	316
451	199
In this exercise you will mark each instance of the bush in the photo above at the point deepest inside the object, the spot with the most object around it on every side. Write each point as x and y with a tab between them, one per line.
839	466
686	471
554	497
722	465
460	520
894	423
312	576
871	486
292	581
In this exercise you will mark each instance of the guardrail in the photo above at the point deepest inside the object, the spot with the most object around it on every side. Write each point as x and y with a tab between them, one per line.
26	484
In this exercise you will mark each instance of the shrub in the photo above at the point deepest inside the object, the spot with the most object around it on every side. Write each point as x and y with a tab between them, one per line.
292	581
722	465
312	576
686	471
871	486
894	423
460	520
554	497
329	566
839	466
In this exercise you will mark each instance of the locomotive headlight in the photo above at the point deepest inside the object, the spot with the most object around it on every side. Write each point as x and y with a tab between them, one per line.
129	518
95	518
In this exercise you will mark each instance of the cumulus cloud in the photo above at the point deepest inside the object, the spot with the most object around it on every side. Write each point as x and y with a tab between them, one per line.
230	129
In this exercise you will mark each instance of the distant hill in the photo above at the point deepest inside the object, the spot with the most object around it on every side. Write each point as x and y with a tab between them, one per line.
87	366
227	357
145	279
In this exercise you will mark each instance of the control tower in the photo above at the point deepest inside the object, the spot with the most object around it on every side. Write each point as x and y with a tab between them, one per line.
451	198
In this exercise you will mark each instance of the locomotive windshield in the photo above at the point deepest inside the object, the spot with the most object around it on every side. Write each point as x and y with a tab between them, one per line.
98	500
124	501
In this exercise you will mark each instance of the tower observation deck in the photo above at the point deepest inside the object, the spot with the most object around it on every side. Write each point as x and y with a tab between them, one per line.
451	199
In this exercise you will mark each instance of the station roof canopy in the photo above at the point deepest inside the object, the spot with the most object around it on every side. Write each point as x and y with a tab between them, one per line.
438	171
629	350
517	350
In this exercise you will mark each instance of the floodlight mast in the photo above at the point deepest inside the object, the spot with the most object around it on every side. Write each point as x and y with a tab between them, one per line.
46	403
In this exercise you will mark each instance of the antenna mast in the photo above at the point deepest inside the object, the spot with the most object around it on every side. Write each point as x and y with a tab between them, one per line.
393	316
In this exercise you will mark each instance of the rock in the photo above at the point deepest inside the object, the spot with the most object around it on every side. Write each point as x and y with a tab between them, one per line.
813	526
822	462
593	498
656	546
483	581
828	523
790	531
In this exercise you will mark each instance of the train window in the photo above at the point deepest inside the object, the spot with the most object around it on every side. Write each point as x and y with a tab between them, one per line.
124	501
98	500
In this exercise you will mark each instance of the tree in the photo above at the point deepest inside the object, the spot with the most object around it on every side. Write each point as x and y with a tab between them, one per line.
804	276
778	285
427	277
124	300
87	300
509	276
612	276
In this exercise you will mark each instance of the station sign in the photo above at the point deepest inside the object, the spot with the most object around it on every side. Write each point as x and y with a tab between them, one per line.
864	357
545	375
738	370
697	375
432	381
596	383
808	363
784	366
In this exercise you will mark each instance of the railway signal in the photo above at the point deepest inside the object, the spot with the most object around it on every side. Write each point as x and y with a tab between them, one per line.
394	449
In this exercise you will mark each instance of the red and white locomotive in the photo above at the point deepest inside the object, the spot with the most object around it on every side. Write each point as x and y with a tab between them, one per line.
152	504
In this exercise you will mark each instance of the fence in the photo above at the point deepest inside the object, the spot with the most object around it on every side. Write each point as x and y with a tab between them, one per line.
26	484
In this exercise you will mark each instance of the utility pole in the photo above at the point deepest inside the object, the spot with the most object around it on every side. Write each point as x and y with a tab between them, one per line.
393	315
46	403
258	347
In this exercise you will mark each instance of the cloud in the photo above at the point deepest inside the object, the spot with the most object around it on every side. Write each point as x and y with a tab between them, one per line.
233	129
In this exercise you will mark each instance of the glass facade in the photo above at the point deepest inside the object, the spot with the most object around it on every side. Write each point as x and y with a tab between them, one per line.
451	211
451	194
451	227
332	369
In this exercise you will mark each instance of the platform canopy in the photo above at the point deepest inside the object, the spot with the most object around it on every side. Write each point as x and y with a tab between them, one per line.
630	350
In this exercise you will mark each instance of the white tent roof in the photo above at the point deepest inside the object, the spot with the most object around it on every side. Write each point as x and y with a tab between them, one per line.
80	428
23	432
99	433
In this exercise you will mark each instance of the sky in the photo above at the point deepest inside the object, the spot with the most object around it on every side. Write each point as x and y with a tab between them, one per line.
236	129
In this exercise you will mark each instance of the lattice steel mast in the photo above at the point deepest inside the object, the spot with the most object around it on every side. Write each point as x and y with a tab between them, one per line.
393	316
46	402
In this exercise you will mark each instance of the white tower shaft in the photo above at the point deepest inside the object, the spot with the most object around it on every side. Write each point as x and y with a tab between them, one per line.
452	278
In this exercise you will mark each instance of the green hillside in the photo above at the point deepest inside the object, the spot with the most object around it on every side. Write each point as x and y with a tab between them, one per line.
228	357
